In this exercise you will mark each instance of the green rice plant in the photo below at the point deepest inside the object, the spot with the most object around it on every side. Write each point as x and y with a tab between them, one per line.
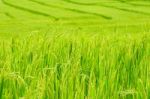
73	66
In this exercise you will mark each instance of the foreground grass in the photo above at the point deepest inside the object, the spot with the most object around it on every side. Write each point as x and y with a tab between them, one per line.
76	67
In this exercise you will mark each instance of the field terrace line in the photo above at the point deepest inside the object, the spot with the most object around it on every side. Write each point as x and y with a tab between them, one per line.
108	6
7	14
74	10
28	10
134	4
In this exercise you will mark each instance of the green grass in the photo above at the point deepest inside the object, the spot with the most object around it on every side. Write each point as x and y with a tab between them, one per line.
74	49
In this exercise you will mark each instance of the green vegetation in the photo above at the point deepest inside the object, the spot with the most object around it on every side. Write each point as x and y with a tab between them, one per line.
74	49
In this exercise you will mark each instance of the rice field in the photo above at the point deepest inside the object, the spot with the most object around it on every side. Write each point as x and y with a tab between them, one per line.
74	49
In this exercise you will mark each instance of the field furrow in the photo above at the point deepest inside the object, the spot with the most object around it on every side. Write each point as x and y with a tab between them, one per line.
28	10
109	6
137	3
71	9
7	15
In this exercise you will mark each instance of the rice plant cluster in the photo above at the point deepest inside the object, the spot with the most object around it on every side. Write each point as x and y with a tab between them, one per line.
68	66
